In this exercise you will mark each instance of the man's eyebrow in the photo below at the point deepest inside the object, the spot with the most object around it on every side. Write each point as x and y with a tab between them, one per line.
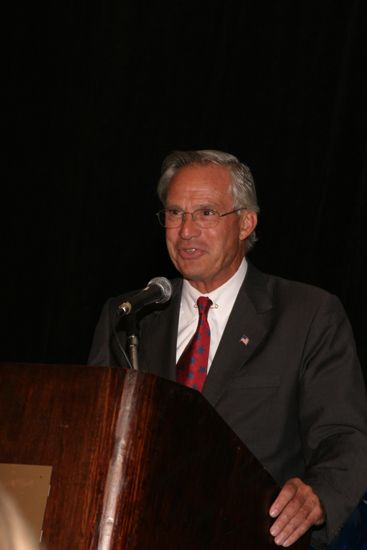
200	206
173	206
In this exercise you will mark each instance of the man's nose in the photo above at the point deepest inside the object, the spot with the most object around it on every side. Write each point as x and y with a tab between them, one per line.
188	228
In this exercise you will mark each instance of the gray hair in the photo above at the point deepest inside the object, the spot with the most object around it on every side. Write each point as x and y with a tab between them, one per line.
242	182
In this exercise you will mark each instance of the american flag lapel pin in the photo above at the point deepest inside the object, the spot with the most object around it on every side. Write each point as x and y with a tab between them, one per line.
245	340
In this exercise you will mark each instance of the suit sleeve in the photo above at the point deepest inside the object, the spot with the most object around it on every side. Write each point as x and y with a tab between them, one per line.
333	415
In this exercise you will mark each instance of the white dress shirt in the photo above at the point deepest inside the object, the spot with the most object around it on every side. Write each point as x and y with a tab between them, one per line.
223	299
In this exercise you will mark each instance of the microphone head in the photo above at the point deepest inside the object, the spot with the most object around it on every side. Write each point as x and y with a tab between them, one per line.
165	287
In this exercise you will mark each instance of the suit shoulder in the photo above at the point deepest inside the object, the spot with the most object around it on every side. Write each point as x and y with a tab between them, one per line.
286	291
298	288
305	294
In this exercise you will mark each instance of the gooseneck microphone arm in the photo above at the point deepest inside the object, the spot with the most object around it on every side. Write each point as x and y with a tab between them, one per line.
132	341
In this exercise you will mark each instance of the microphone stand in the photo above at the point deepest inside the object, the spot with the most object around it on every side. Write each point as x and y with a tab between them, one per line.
132	341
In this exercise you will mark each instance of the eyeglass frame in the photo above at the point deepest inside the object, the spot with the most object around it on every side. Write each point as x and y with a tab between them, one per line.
192	214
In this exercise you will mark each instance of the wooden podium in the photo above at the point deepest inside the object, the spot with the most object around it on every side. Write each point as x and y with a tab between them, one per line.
138	462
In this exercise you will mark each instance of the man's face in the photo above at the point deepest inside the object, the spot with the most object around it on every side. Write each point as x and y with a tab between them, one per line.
206	257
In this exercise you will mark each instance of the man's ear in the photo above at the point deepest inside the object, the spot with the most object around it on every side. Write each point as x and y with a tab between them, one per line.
248	224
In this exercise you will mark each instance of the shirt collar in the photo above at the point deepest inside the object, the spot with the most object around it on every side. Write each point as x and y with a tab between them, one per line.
219	295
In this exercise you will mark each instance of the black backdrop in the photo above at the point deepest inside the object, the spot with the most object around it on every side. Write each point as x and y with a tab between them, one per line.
97	93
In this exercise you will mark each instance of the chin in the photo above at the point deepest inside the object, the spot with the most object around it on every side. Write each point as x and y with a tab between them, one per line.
190	274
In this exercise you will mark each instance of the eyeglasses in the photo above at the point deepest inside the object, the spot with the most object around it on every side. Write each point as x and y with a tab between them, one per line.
203	217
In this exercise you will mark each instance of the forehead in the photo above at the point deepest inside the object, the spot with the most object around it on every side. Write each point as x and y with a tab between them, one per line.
201	185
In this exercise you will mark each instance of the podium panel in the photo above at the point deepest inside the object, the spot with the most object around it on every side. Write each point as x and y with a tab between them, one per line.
138	462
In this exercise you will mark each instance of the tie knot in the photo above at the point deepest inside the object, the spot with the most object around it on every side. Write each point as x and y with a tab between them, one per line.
204	303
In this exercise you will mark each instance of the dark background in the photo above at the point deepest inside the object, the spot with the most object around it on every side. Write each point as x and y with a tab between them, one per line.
97	93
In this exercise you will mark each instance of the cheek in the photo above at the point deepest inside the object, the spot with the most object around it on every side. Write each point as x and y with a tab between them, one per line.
170	240
226	238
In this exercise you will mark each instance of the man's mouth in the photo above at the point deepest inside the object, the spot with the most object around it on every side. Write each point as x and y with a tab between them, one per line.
190	252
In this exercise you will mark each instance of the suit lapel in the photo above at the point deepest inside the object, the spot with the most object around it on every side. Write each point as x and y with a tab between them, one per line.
159	337
247	326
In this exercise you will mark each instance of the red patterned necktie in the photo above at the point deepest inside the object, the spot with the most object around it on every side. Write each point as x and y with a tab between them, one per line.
193	363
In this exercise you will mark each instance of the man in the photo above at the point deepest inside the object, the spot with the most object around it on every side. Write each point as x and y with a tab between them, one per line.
282	365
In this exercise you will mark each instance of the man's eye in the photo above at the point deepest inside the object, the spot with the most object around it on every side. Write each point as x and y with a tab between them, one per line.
174	213
207	212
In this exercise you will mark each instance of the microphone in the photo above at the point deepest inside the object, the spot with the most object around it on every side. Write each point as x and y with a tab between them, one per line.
158	291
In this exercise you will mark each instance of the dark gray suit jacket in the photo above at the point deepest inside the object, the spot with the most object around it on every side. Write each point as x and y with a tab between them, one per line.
285	377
